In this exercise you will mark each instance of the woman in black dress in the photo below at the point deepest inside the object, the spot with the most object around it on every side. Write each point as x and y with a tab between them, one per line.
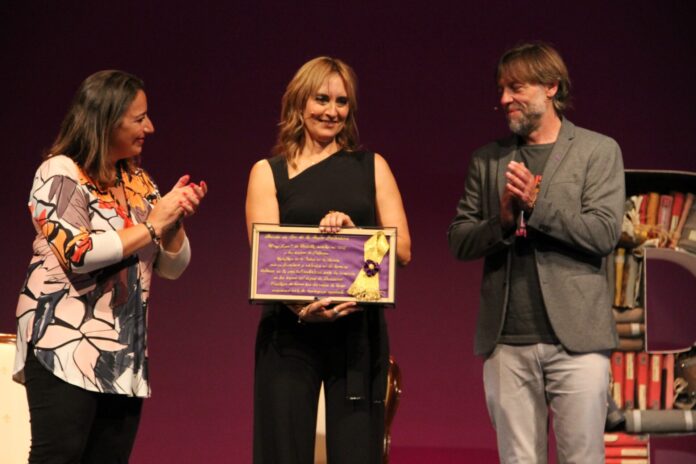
319	176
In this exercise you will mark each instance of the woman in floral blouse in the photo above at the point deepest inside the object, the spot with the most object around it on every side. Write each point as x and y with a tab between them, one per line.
102	228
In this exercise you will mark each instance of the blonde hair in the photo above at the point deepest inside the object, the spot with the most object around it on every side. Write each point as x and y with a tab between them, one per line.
96	110
306	82
537	63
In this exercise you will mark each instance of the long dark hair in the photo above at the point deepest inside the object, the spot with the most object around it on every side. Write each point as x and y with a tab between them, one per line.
96	110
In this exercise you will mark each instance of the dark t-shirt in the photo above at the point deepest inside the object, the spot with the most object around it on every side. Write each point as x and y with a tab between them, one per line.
526	320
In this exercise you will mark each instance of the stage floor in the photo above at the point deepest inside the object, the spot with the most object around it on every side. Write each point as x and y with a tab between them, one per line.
664	450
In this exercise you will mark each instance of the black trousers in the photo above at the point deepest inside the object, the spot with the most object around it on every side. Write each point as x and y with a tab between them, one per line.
292	360
73	425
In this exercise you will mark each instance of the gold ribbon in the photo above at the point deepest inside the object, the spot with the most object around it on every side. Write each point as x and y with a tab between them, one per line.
366	287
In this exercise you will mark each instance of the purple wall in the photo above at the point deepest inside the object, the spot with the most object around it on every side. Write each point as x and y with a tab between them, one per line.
215	75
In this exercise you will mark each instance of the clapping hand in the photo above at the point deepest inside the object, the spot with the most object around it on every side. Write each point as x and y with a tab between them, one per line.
183	200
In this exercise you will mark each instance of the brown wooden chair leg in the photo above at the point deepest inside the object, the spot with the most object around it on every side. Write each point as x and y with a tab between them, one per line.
391	403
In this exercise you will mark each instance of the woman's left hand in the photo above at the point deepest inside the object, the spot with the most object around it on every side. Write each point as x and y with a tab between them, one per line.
320	311
193	195
333	221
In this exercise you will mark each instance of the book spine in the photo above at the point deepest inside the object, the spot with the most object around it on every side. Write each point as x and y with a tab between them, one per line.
664	213
654	381
688	203
617	372
626	451
642	362
630	329
625	439
630	280
629	392
653	208
619	259
668	380
628	315
643	209
631	344
677	207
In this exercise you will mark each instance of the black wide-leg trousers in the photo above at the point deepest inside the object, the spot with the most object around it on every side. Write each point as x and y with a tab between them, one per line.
292	360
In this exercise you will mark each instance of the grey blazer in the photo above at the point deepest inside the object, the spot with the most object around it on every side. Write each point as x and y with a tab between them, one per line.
578	212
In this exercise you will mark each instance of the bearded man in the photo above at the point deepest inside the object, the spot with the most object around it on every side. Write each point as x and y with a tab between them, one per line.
543	207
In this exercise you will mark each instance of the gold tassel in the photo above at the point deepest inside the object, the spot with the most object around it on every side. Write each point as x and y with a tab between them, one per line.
365	287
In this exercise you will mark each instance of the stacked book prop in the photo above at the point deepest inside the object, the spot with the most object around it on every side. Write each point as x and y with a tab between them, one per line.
622	448
656	391
628	309
667	219
653	390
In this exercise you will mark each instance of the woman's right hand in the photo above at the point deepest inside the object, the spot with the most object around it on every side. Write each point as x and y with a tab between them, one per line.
332	222
319	311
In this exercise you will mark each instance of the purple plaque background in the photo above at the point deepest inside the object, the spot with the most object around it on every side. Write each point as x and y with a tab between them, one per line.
288	244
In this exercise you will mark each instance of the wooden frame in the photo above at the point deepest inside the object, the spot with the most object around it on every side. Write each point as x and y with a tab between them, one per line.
299	264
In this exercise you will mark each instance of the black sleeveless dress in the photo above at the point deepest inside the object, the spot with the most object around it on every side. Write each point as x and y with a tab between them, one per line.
345	181
351	352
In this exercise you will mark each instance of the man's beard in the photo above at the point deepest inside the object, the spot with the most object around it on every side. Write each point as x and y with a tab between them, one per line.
528	121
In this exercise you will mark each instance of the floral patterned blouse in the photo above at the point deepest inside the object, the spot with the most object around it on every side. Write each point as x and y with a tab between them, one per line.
83	305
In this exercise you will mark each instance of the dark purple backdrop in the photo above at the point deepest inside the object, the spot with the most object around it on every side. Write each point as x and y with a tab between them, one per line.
215	72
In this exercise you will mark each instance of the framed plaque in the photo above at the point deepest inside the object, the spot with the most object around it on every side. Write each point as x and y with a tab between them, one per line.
293	263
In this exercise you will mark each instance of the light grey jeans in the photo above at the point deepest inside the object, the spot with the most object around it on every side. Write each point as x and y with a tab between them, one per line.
523	382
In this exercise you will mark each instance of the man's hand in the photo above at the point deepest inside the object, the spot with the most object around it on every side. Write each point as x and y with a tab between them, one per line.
522	185
508	211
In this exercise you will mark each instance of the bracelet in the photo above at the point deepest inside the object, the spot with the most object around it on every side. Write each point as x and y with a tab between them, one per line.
528	213
153	235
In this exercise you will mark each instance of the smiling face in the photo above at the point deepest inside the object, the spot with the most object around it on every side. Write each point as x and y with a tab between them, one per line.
129	135
525	105
326	111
